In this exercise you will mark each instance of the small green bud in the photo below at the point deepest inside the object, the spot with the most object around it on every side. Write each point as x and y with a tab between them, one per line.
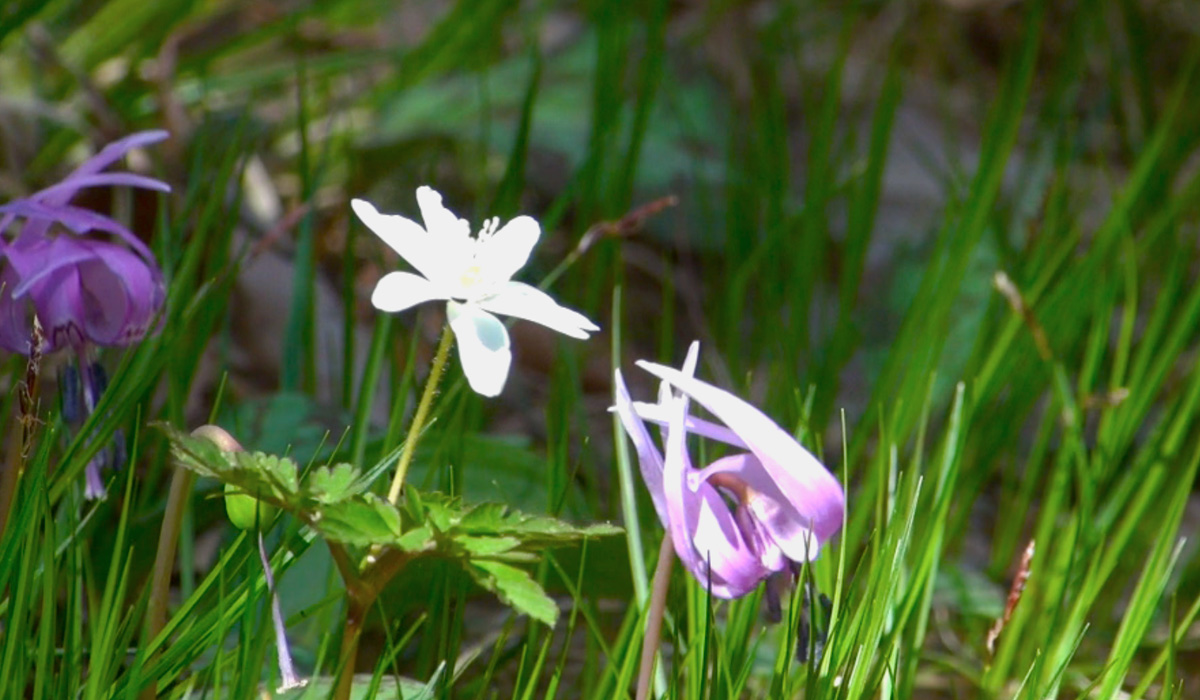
241	509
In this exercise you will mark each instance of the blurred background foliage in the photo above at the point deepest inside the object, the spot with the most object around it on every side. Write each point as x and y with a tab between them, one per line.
847	178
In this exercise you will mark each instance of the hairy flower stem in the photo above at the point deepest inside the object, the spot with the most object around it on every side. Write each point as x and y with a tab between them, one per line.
418	421
654	616
168	539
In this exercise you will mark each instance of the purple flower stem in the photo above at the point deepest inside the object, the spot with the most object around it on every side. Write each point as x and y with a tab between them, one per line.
287	672
654	616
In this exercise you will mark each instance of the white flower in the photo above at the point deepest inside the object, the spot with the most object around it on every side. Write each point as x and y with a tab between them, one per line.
474	275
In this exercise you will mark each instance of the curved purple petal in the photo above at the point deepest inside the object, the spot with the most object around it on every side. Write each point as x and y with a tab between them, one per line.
115	151
121	295
81	290
650	460
65	190
767	511
706	537
657	414
35	259
793	473
78	219
59	305
85	175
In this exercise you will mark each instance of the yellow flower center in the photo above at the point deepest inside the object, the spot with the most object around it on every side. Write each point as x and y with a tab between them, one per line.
471	277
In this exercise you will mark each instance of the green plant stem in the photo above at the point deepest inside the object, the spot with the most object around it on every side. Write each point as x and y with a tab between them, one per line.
654	616
418	421
168	538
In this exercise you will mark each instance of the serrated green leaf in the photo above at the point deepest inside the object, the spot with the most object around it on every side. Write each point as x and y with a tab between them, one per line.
442	516
416	540
515	588
333	484
271	479
497	520
486	546
363	521
197	454
281	472
486	517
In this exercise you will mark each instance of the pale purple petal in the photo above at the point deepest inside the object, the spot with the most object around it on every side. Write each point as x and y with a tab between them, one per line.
288	678
796	474
93	489
650	460
657	413
759	496
707	540
521	300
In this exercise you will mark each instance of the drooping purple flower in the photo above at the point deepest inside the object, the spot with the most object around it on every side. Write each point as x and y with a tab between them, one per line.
786	503
87	279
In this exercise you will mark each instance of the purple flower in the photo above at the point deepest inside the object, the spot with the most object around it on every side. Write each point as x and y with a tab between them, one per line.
786	503
86	277
85	290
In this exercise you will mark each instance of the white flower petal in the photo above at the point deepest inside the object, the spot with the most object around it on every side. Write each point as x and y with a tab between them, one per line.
483	347
397	291
439	220
451	238
520	300
508	249
404	236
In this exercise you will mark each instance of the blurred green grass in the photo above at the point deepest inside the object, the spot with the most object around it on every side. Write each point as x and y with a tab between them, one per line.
848	188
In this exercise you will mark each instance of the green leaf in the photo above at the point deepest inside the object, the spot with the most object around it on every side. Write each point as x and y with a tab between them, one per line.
416	539
516	589
497	519
333	484
363	521
272	479
486	546
280	472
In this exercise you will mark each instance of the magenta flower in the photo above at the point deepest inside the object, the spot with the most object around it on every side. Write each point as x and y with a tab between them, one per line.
786	503
86	277
84	290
